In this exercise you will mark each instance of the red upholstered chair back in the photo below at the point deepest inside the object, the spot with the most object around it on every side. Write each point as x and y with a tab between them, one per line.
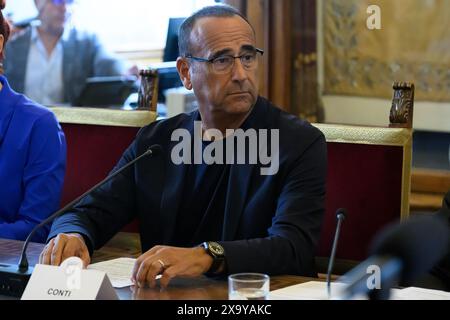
369	175
92	152
96	139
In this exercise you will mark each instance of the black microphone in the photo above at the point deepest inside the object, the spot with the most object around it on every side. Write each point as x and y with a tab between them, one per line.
13	279
341	214
402	253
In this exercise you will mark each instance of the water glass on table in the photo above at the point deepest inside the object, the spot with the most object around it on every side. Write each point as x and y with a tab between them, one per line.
248	286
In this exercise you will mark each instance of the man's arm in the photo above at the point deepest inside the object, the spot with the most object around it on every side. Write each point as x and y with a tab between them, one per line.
103	213
43	178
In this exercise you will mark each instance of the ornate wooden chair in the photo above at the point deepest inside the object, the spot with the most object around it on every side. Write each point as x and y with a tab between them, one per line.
369	175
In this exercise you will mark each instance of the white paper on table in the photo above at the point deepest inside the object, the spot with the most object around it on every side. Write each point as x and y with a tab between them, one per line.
312	290
316	290
118	270
413	293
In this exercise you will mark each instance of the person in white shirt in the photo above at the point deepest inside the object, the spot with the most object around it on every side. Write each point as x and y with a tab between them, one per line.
50	62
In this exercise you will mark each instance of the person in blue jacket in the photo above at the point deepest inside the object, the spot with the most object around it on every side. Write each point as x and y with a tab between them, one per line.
32	159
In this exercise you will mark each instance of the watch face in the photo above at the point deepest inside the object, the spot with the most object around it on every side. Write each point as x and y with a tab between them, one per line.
216	248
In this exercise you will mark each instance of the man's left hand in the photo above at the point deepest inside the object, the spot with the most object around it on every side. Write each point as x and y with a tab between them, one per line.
170	262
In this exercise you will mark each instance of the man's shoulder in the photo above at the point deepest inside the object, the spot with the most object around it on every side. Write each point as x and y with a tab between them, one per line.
290	125
80	36
167	126
19	38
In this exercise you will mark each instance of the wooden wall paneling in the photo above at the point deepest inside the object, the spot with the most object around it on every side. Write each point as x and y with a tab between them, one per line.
257	15
272	21
280	45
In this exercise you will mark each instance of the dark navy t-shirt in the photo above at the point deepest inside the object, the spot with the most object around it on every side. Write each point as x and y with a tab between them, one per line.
198	219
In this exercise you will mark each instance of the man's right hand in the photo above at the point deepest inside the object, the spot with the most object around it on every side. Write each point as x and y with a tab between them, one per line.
63	246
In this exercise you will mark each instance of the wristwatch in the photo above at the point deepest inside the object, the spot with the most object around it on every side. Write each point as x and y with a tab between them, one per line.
217	252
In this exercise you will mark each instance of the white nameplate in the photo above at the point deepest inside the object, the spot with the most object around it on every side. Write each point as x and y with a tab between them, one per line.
68	282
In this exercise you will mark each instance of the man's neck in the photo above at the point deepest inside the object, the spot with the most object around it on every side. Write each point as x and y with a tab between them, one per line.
49	39
222	121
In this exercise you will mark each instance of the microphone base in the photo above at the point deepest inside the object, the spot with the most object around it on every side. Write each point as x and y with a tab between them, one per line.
12	280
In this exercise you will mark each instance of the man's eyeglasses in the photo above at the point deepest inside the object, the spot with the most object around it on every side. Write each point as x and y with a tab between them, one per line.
225	63
61	2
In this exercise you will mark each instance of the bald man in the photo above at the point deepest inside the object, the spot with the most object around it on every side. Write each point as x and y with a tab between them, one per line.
214	218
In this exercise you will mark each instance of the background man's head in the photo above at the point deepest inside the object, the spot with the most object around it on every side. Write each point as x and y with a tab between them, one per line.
213	32
53	14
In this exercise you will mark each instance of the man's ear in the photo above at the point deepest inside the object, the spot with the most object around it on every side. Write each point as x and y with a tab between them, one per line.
183	71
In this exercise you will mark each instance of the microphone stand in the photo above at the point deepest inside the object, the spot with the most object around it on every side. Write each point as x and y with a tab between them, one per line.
13	279
340	216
